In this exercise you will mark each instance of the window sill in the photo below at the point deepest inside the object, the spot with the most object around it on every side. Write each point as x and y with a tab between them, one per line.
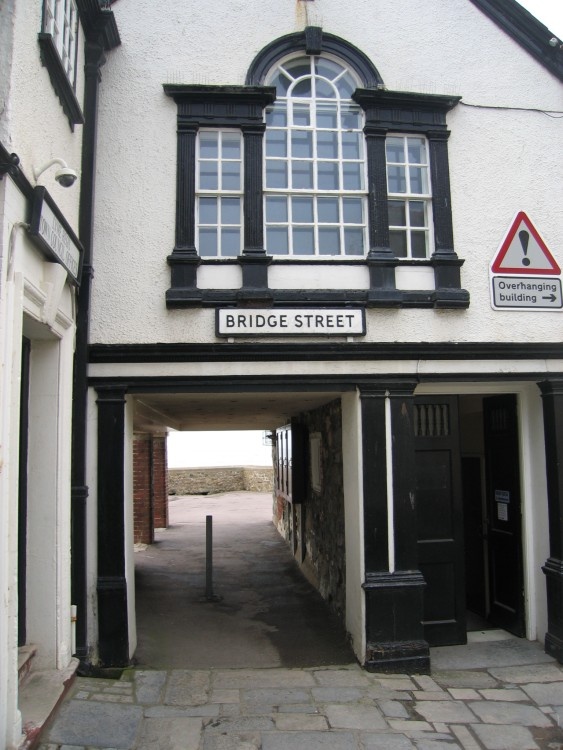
59	80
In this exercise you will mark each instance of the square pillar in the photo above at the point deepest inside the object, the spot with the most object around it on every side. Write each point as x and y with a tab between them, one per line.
393	585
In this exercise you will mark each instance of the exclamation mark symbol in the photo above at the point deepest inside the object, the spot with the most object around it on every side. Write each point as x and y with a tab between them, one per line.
524	239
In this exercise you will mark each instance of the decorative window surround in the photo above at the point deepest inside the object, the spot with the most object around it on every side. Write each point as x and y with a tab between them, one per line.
58	42
385	112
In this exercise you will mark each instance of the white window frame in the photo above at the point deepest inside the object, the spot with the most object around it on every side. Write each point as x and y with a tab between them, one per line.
409	196
219	193
60	20
315	193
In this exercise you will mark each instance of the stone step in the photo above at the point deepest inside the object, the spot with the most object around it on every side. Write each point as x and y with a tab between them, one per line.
26	654
39	696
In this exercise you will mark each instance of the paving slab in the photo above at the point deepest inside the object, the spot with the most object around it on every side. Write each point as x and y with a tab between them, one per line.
310	741
545	694
444	711
550	672
384	741
354	717
170	734
505	737
94	723
500	712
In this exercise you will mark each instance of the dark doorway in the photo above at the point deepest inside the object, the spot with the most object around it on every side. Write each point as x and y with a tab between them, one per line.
469	515
22	492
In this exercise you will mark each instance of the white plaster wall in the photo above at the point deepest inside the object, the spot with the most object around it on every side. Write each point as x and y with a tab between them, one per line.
502	160
37	127
354	521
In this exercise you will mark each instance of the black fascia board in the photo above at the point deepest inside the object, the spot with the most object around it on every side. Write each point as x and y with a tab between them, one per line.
527	31
98	22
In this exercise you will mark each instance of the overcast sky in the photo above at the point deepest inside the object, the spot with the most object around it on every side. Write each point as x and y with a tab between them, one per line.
549	12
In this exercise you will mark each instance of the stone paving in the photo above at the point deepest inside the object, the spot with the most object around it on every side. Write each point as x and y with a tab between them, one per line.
337	708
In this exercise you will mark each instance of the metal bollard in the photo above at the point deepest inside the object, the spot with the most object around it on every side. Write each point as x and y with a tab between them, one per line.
209	558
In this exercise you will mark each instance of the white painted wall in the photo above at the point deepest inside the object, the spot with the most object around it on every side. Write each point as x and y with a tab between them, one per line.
502	160
354	521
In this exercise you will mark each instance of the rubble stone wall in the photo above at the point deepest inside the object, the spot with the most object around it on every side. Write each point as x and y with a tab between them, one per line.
211	481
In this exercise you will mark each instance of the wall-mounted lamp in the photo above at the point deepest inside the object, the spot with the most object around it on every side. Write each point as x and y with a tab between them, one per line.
65	176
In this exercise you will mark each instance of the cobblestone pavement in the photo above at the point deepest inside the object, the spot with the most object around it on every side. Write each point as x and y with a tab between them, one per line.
337	708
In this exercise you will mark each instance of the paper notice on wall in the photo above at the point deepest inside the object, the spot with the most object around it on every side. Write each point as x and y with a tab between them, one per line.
502	511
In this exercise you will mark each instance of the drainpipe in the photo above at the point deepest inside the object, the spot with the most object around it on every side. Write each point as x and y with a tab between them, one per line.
101	32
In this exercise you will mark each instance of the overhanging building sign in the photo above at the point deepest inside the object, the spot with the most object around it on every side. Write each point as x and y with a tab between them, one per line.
290	322
52	233
524	274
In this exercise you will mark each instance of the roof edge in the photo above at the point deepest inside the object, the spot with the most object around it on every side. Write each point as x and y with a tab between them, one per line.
527	31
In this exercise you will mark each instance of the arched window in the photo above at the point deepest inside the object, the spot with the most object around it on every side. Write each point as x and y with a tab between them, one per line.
314	166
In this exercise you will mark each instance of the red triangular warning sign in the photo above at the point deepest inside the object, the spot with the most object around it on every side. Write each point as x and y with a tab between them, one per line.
523	251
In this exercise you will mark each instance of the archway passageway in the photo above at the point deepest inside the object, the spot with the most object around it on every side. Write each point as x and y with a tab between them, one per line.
267	614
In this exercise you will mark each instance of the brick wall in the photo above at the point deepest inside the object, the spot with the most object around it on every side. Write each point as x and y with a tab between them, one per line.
150	486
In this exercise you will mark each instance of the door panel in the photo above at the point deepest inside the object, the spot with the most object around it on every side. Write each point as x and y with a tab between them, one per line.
504	514
440	519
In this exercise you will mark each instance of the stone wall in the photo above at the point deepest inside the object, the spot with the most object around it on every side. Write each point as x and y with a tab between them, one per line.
210	481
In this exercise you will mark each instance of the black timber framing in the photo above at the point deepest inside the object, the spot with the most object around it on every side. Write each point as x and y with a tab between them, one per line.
552	397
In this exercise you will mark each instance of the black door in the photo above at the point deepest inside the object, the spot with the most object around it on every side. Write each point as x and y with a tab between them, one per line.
440	519
22	492
506	584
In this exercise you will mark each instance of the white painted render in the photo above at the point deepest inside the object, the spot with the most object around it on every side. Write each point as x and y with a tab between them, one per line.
501	160
353	521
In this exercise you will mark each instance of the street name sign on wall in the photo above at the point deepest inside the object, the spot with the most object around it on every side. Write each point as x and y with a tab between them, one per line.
524	274
53	235
290	322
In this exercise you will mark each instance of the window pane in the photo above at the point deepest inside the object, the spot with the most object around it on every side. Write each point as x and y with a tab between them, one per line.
324	90
208	177
352	174
397	213
276	208
303	241
298	67
302	174
326	116
302	89
327	175
416	148
327	68
301	114
276	174
418	180
418	244
208	242
230	242
350	118
353	213
281	82
231	175
396	179
276	143
329	241
302	144
328	210
302	210
394	148
231	146
346	86
277	116
208	145
327	145
230	211
208	210
398	243
417	213
351	146
277	241
353	241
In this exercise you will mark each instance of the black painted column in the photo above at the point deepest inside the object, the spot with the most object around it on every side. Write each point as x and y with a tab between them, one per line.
254	261
393	585
184	260
552	395
380	259
113	634
446	263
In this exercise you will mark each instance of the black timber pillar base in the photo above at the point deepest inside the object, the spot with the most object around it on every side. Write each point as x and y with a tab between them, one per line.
552	398
395	638
113	630
254	266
